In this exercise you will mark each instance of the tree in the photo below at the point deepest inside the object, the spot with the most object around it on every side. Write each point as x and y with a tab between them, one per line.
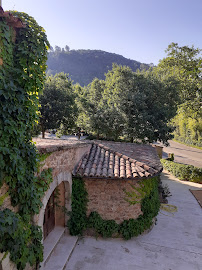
140	100
67	48
57	103
58	49
128	105
184	66
91	107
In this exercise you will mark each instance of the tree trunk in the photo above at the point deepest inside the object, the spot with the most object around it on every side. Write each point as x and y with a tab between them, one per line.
43	131
43	134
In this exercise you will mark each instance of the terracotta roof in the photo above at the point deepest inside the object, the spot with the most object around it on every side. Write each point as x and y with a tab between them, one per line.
105	162
144	153
11	20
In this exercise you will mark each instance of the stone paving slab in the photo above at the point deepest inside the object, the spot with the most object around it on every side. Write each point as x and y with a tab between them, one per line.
52	240
62	253
116	254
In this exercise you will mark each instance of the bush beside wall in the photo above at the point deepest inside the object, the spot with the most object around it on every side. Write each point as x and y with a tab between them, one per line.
182	171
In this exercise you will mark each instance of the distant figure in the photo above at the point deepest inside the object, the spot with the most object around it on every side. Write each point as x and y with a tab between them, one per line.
79	133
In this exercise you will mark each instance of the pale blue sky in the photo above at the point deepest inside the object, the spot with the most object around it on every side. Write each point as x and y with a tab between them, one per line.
137	29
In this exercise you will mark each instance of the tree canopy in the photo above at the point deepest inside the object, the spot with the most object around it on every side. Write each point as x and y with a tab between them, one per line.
127	105
133	104
185	65
57	103
183	68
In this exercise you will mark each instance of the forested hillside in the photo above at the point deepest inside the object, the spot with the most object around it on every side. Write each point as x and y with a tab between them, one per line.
85	65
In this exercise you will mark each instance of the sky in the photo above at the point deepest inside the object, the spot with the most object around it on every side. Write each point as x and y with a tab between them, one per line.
137	29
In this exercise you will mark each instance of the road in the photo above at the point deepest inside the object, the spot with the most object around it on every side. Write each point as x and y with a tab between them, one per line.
184	154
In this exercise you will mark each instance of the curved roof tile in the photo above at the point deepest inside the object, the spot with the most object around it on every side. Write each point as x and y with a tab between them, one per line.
103	162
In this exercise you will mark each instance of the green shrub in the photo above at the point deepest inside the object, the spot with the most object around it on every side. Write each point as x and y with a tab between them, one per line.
104	227
150	205
78	220
182	171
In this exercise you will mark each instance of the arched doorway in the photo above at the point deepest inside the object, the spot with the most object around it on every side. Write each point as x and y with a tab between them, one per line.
66	179
54	214
49	217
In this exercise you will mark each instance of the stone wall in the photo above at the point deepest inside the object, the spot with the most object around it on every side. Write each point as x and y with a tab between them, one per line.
7	264
6	199
108	198
61	159
64	156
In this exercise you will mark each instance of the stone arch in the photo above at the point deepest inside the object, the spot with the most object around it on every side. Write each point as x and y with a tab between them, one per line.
66	178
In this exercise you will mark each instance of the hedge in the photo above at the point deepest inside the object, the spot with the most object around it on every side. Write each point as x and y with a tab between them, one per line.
182	171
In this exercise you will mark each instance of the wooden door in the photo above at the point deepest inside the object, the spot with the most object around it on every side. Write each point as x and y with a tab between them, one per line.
49	217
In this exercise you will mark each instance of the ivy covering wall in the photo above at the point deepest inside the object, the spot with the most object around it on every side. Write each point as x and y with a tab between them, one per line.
150	204
21	80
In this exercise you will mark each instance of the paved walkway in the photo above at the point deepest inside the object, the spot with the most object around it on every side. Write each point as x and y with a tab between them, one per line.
175	243
184	154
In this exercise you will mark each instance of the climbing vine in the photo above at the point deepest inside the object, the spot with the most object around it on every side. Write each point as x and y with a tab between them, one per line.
78	220
139	192
21	80
150	205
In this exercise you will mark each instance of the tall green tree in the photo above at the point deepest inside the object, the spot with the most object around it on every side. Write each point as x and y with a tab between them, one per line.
128	105
90	103
140	101
58	103
183	67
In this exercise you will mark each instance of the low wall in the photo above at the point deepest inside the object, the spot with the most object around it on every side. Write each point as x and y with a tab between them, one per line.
108	198
63	155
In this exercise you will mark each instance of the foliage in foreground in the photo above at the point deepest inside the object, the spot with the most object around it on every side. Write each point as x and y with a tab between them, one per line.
78	221
22	240
183	172
21	79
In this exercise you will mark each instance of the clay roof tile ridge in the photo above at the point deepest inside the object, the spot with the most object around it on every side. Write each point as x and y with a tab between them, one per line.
90	160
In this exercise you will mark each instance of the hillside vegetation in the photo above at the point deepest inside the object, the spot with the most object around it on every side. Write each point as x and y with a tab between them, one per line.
85	65
124	103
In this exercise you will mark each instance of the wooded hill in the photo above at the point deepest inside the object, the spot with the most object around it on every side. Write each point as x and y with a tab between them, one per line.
85	65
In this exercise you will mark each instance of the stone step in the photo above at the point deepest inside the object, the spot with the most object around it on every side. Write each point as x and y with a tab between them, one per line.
50	243
61	253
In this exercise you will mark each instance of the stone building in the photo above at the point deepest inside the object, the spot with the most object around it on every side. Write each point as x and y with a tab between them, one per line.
107	168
